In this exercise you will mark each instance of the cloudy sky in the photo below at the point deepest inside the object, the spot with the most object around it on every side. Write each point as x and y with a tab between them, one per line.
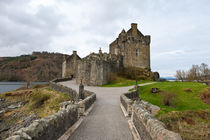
179	29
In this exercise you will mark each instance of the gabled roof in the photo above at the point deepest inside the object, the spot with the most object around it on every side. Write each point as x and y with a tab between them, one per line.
129	32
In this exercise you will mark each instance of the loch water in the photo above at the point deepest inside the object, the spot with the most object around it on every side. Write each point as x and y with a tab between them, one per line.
9	86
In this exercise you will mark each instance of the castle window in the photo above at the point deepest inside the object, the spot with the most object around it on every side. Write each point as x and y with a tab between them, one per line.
136	52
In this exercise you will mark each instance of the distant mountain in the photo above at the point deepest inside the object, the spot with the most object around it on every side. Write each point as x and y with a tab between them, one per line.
169	78
40	66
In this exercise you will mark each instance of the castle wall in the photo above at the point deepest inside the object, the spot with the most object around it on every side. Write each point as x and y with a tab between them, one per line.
96	69
69	66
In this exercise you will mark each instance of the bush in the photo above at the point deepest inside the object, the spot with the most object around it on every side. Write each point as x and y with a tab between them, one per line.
188	90
135	73
169	98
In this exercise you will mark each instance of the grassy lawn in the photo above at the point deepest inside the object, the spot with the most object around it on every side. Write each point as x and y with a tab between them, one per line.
123	82
184	100
188	115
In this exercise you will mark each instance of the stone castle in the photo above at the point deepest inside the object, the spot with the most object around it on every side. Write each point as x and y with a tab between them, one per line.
130	49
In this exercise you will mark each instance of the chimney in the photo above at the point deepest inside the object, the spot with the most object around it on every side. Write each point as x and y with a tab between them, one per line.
100	51
134	29
75	53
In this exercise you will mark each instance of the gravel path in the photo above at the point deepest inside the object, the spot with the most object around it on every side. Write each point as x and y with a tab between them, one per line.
106	120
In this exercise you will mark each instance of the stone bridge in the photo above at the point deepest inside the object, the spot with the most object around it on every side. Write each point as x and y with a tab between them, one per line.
106	120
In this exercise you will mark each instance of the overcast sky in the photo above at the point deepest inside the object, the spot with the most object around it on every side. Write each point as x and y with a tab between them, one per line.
179	29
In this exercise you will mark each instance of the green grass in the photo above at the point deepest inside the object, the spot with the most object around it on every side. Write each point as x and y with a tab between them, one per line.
184	100
123	82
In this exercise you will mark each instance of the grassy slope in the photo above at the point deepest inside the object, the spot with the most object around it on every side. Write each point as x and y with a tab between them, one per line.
184	101
40	101
190	116
123	82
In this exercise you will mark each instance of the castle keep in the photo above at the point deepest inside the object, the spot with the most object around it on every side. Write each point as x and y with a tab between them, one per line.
133	46
130	49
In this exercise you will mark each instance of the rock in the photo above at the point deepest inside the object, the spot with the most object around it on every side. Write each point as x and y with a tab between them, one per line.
64	105
2	112
2	99
18	105
15	137
155	90
23	135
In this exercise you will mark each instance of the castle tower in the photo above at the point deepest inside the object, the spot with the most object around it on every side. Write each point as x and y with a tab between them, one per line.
134	47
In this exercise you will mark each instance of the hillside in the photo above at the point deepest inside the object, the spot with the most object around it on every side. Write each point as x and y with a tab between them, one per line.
40	66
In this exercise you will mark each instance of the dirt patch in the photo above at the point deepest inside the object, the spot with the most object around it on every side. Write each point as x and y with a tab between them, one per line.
205	96
187	90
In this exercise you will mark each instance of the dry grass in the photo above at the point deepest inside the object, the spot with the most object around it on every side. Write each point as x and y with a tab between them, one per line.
169	98
191	125
40	101
205	95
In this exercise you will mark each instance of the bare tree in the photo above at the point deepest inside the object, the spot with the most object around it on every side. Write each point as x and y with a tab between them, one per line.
194	73
204	71
180	75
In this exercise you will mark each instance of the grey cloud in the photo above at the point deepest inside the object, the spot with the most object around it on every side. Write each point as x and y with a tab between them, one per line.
87	25
24	30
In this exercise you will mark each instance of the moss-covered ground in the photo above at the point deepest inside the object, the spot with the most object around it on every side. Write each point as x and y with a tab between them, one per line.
123	82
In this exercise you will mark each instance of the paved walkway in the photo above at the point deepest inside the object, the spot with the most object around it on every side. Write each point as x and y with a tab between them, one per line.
106	120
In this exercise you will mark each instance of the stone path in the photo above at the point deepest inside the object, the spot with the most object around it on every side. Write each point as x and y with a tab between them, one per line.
106	120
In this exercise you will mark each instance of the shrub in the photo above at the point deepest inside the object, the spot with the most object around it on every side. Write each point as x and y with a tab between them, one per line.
135	73
169	98
188	90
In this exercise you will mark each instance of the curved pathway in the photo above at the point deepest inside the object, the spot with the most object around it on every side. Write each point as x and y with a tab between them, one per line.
106	120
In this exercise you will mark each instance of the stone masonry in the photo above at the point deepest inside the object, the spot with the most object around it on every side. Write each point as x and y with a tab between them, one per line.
97	69
69	66
133	46
130	49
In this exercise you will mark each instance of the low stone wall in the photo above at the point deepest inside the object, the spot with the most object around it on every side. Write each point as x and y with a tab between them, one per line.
148	127
127	102
60	88
142	114
51	127
87	102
